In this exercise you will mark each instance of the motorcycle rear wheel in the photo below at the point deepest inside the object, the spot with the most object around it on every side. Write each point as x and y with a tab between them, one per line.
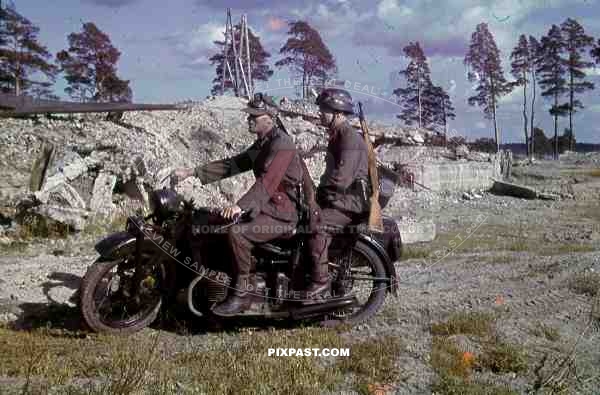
363	259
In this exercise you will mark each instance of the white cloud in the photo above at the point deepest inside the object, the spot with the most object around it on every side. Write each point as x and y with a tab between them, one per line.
202	38
390	10
593	71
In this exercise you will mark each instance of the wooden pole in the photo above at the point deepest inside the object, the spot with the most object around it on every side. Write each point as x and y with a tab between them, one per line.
239	57
250	82
225	56
235	55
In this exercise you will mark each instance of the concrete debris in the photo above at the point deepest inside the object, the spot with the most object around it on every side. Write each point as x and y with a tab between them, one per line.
412	231
101	166
73	217
520	191
62	194
101	201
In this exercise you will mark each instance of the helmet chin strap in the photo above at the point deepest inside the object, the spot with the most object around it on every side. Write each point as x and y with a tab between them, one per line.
330	126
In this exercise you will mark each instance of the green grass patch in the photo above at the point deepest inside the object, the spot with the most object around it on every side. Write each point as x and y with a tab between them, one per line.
454	368
373	361
53	359
468	323
503	358
100	228
415	252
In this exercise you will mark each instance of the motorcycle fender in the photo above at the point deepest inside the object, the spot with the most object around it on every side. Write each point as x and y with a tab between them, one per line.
116	245
390	270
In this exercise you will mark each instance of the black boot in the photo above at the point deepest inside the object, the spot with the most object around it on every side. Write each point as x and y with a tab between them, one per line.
320	286
238	300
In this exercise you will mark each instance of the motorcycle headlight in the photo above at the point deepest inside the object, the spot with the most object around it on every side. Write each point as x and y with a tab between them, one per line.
164	203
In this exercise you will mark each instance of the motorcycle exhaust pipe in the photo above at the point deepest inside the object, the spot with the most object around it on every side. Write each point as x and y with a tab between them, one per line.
322	308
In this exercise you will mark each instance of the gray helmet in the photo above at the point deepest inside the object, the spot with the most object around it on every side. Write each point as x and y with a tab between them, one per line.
336	99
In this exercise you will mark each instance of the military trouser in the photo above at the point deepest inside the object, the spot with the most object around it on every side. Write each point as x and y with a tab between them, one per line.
318	243
243	237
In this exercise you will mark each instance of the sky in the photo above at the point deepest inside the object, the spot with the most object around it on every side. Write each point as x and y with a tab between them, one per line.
165	47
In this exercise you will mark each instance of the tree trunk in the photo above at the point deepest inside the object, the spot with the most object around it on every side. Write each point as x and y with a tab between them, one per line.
555	128
419	95
496	131
532	149
525	112
572	134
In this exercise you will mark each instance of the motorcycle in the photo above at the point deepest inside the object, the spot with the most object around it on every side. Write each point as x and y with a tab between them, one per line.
179	256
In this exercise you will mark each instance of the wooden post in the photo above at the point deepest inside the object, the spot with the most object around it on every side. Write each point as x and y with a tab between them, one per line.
250	82
40	166
235	55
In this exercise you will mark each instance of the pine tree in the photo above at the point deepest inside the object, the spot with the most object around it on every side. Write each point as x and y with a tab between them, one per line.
520	67
551	68
23	57
260	69
307	55
483	58
576	44
535	53
438	102
90	69
418	81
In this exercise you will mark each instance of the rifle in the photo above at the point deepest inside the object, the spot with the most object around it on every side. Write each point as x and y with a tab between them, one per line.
375	219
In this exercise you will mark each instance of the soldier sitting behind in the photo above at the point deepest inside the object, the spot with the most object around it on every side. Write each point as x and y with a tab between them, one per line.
343	190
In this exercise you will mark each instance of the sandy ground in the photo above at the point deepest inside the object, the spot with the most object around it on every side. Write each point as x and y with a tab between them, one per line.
508	256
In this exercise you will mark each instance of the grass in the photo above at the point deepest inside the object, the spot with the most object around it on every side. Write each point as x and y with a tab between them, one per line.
585	283
581	172
100	228
415	252
454	368
469	323
54	359
448	360
542	330
373	362
519	237
33	225
503	358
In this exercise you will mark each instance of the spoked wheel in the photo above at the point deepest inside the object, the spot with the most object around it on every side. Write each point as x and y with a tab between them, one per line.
112	302
358	273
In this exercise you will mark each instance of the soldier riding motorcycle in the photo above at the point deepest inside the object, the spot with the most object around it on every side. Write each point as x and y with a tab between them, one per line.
181	254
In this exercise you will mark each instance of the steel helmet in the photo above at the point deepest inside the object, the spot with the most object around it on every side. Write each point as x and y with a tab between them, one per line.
261	104
336	99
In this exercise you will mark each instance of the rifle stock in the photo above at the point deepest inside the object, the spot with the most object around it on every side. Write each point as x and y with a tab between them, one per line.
375	217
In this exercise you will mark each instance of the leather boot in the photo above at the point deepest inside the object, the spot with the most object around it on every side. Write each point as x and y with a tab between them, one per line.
238	300
320	285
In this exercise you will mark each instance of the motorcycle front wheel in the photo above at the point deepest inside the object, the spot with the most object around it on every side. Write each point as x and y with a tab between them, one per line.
111	302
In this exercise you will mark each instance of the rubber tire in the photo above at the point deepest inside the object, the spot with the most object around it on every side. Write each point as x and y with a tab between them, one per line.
93	275
377	296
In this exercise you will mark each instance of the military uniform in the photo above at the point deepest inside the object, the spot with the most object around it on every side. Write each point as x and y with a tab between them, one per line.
271	200
339	195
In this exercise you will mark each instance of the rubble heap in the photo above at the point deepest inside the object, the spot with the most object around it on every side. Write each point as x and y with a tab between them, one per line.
101	169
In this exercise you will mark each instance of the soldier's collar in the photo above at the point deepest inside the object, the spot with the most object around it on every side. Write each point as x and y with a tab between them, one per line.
266	137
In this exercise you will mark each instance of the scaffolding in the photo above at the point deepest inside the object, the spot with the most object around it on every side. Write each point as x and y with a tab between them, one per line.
237	55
